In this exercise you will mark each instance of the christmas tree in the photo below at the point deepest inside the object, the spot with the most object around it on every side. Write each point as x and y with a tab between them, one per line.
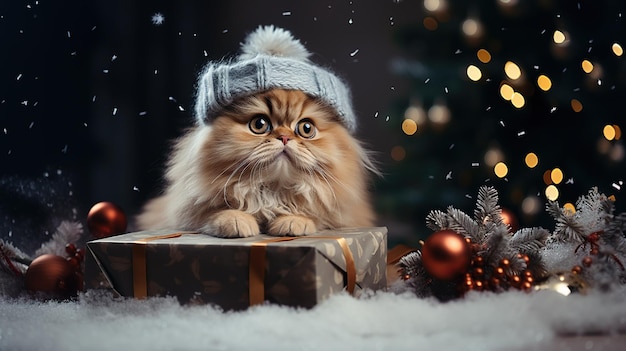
520	95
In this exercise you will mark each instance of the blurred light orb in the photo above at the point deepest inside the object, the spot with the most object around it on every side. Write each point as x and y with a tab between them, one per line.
398	153
531	160
483	56
618	132
506	91
552	192
434	5
617	153
587	66
547	178
439	113
609	132
577	106
569	207
512	70
409	127
430	23
472	28
415	113
518	100
474	73
531	205
493	156
558	37
617	49
556	175
501	169
544	82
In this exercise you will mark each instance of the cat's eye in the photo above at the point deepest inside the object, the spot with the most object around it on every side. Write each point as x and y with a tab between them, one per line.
260	124
306	129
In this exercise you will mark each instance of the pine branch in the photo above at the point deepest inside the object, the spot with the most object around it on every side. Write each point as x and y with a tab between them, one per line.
487	208
529	240
463	224
437	220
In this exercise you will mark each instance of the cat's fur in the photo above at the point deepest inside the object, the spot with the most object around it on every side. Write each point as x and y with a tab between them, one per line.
225	180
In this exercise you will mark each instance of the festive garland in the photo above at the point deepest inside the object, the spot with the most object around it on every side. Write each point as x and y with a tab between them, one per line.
586	250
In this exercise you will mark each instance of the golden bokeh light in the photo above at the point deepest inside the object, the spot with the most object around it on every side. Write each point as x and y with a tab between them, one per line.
552	193
518	100
617	49
506	91
618	132
556	175
558	37
471	27
439	113
474	73
547	180
609	132
569	207
434	5
501	169
398	153
544	82
577	106
512	70
531	160
483	56
409	127
531	205
587	66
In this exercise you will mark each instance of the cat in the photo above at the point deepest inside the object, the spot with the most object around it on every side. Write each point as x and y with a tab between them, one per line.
278	162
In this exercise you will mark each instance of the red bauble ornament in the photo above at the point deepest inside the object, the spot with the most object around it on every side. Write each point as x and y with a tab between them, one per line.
446	255
106	219
53	276
509	218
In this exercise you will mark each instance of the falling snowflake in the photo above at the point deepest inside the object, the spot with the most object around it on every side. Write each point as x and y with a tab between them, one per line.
158	18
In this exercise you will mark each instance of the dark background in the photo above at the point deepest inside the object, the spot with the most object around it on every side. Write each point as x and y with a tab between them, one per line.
93	92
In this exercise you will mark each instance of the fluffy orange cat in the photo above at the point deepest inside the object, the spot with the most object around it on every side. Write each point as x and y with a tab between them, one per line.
278	162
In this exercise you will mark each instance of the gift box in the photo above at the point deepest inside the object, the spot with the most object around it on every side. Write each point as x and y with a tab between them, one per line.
237	273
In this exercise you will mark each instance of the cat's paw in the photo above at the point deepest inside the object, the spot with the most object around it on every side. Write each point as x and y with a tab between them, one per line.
292	226
234	224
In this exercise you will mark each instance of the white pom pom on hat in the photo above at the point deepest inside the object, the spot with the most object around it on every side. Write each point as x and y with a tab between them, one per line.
270	58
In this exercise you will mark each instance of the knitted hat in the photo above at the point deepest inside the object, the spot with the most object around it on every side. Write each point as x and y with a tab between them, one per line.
271	58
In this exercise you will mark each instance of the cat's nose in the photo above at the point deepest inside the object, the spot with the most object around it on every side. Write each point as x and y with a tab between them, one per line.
284	138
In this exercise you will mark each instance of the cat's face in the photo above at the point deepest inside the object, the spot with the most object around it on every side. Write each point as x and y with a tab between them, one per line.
278	136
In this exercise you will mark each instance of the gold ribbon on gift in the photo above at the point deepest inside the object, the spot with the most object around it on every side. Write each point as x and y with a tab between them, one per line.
256	265
140	284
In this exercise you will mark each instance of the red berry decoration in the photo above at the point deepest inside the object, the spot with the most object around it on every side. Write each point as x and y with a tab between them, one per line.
446	255
53	276
106	219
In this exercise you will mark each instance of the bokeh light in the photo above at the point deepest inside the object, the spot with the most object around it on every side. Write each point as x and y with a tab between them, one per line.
512	70
556	175
430	23
409	127
471	27
552	192
617	49
501	169
506	91
547	179
531	160
493	156
577	106
483	56
544	82
570	207
439	113
618	132
558	37
474	73
587	66
518	100
609	132
398	153
434	5
531	205
416	113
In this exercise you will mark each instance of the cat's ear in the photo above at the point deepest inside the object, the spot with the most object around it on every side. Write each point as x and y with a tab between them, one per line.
269	40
